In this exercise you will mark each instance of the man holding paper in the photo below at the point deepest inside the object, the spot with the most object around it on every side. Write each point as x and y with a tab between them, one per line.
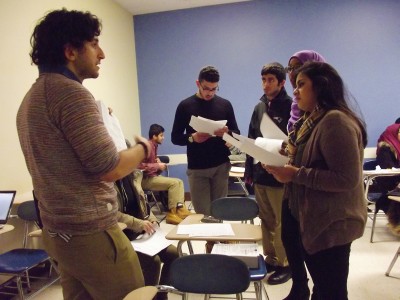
208	157
268	191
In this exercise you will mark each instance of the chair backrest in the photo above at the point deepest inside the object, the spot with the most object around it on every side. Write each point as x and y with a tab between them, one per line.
209	274
164	158
27	211
234	208
370	165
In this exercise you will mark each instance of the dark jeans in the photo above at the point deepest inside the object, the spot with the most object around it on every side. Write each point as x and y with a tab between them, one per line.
294	249
329	270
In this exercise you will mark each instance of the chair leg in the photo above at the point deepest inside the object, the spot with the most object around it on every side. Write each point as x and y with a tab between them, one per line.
373	227
28	282
393	262
20	289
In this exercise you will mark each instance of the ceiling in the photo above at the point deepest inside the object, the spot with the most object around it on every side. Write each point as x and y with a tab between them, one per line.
139	7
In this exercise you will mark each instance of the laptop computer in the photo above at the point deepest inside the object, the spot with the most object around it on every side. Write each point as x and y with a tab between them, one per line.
6	202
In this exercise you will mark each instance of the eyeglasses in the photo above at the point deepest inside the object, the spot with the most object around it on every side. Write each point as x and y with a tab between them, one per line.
290	69
213	90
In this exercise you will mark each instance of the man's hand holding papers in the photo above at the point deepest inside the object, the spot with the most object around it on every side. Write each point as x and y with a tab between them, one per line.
206	128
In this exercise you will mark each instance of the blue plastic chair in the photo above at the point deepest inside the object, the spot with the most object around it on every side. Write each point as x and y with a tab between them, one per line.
18	262
242	209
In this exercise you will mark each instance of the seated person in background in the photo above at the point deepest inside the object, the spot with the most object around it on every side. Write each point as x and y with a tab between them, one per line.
387	157
152	180
139	219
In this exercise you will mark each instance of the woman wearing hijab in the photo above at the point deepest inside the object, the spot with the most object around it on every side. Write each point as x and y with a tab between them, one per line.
291	241
387	157
296	61
323	183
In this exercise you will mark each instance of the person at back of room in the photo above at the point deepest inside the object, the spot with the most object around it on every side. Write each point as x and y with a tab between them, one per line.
388	157
73	161
152	180
276	103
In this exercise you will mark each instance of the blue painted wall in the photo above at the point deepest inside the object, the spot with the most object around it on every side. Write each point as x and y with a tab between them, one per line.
361	39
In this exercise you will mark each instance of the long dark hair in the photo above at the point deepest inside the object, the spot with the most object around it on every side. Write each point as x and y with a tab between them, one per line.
59	28
331	92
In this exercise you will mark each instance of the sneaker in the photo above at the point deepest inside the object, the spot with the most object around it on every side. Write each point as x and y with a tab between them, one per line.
182	211
172	217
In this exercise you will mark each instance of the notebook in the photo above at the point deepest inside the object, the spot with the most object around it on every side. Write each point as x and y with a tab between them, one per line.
6	202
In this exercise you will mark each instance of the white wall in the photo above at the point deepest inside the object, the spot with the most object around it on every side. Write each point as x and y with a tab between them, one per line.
116	86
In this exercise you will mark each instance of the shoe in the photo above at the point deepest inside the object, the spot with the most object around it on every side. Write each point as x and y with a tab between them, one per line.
161	296
299	291
270	268
172	217
281	275
182	211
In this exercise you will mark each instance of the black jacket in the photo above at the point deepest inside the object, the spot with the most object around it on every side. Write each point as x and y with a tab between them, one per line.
278	109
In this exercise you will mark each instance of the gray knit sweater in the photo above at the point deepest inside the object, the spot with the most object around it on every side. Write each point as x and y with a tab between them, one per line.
67	149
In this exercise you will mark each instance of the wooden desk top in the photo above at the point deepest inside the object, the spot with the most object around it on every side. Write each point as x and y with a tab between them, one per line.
243	232
382	172
6	228
394	198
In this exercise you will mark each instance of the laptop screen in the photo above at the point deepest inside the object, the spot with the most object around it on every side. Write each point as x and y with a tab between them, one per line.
6	201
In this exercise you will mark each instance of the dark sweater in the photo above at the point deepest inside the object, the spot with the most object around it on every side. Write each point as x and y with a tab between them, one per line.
212	152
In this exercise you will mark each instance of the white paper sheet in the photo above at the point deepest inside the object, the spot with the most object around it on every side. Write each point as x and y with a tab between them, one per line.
238	249
237	169
113	127
270	130
263	155
264	149
271	145
205	125
206	229
151	244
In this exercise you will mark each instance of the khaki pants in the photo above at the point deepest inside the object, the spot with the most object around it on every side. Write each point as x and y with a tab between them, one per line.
174	186
207	185
269	200
96	266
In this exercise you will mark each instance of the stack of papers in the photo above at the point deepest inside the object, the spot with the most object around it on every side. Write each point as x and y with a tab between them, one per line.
151	244
265	149
205	125
245	252
113	127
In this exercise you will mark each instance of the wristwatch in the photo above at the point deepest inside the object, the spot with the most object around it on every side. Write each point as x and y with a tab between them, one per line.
190	139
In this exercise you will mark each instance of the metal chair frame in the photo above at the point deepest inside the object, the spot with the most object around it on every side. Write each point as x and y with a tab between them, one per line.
242	209
18	262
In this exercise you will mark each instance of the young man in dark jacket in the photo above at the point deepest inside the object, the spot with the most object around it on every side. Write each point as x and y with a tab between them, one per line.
269	192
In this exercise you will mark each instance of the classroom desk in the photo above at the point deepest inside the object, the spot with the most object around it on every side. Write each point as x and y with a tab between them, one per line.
242	233
6	228
395	198
369	175
238	173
